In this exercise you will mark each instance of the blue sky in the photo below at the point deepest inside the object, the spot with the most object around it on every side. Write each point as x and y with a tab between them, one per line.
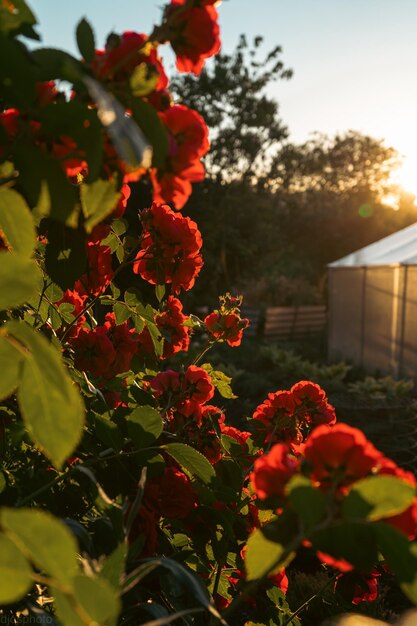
354	61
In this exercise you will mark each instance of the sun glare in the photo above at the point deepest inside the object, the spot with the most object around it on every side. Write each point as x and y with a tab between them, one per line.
405	177
407	174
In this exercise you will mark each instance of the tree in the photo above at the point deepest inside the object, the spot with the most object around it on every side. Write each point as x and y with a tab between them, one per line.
232	94
273	213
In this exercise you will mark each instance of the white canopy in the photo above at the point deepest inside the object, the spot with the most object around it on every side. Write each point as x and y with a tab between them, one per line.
398	248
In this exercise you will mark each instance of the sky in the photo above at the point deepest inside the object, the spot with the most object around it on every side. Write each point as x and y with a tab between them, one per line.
354	61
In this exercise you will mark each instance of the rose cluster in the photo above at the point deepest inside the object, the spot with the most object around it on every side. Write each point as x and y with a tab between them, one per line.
287	415
225	323
170	249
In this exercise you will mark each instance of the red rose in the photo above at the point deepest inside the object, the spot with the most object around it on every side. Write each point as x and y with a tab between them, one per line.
78	302
176	496
272	472
121	205
194	34
99	264
228	327
341	454
166	383
357	587
94	352
123	54
189	142
312	404
124	340
170	249
146	524
171	324
197	385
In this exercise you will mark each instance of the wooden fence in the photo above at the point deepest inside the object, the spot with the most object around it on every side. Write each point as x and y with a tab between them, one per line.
281	322
288	322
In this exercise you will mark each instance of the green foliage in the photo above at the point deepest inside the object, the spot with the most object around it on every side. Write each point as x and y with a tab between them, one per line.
144	425
50	403
19	277
353	543
15	572
308	502
16	222
98	200
192	461
46	542
401	555
381	388
85	40
263	557
378	497
220	381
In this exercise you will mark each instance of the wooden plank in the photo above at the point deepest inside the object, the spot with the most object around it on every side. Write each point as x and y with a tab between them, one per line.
294	321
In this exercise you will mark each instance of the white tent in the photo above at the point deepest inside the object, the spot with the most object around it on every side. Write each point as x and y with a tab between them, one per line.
373	305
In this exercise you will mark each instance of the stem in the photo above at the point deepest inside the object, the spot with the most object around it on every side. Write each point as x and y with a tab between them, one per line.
77	317
253	585
42	489
307	602
167	620
214	619
203	352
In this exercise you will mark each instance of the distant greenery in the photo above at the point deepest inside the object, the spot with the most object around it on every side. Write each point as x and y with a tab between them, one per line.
274	213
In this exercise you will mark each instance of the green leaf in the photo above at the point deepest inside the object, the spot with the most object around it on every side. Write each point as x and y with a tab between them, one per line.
230	474
15	572
17	76
76	120
114	566
97	597
401	555
85	40
65	254
65	610
132	297
44	540
10	367
193	462
160	292
143	79
121	312
231	446
51	405
107	431
144	425
157	339
45	185
56	64
16	222
355	543
377	497
146	117
119	226
98	200
308	502
53	292
262	556
15	16
220	381
19	279
189	582
3	482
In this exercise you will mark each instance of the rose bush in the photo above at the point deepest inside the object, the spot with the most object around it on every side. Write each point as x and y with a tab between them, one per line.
125	494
